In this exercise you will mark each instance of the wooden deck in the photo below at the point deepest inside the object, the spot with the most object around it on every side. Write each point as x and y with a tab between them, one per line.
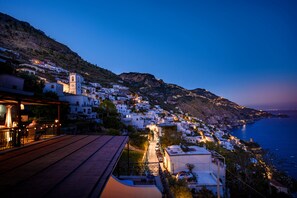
68	166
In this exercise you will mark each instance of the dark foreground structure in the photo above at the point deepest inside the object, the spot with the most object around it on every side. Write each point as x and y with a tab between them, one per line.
65	166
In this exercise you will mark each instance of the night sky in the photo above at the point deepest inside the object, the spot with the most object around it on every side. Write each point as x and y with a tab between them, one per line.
245	51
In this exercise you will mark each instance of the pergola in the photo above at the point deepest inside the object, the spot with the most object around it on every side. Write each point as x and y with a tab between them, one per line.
18	98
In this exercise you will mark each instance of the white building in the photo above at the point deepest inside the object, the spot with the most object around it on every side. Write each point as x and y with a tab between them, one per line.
137	121
227	145
30	68
87	90
97	85
120	87
207	167
80	106
27	70
65	85
123	109
193	139
208	137
134	119
54	87
143	105
75	81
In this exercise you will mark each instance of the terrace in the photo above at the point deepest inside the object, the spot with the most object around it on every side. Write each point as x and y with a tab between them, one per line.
16	129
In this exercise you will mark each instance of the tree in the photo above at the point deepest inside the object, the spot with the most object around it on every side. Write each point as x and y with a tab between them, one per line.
204	193
108	108
171	136
112	122
137	139
179	188
32	83
108	113
113	132
43	112
6	68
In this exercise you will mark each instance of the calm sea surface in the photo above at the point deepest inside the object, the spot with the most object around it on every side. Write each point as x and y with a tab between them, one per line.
279	136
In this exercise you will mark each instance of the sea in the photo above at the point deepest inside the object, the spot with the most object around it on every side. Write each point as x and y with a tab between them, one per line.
278	135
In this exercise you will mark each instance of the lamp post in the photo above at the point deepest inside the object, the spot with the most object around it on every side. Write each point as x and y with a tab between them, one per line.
59	118
56	124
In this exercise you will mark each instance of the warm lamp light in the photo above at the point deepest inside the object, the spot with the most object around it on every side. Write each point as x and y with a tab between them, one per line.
8	120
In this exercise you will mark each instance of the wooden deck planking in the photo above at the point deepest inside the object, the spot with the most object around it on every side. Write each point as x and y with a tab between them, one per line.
90	172
14	162
11	178
28	148
73	169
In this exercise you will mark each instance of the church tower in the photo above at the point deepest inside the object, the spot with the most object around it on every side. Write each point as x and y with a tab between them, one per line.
75	81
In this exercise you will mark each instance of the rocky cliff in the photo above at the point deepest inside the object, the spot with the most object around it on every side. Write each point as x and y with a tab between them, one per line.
198	102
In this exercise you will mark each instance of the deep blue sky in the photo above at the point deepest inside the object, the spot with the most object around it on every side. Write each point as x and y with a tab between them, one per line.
245	51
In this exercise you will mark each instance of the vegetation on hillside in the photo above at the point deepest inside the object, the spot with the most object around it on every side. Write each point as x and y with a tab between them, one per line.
170	137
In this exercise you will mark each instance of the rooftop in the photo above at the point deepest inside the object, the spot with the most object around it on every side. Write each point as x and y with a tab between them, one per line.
206	179
174	150
67	166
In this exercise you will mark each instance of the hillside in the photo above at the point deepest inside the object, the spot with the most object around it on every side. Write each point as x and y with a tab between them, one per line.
32	43
199	102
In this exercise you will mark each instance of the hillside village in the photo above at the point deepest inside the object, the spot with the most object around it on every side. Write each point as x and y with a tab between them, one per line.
135	110
83	96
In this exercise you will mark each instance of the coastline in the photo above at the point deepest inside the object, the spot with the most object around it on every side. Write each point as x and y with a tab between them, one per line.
283	164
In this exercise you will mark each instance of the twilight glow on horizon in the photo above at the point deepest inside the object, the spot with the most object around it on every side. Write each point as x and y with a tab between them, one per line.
245	51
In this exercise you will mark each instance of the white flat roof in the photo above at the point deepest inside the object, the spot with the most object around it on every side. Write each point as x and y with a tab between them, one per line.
192	150
206	178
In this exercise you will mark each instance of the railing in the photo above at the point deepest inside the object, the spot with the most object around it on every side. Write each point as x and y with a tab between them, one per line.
15	137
